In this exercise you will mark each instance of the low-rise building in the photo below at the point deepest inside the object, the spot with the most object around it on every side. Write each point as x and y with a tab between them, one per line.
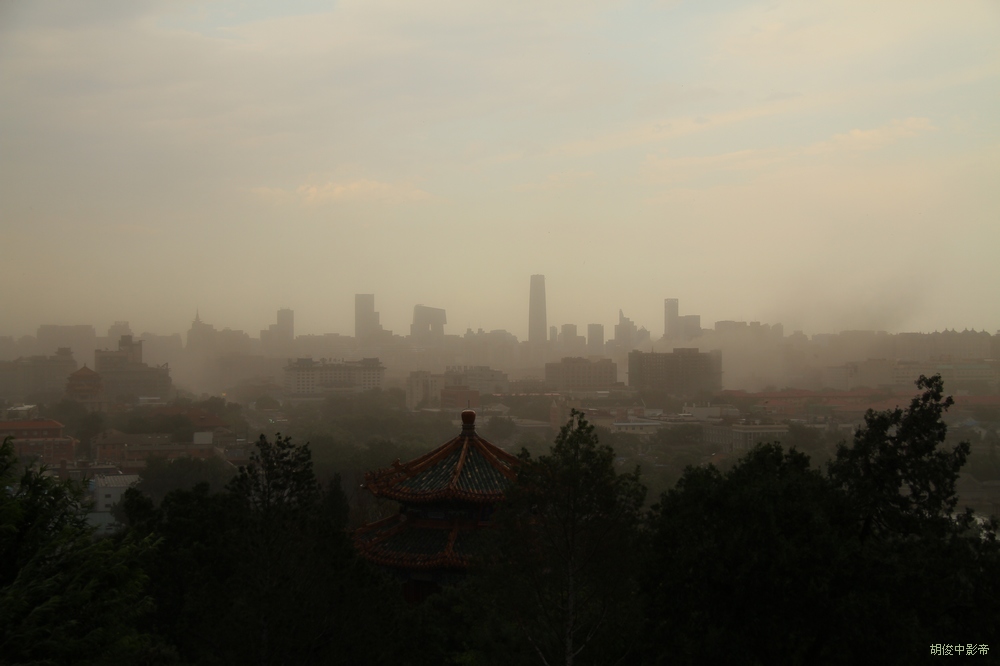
41	440
304	376
683	372
577	374
638	426
741	436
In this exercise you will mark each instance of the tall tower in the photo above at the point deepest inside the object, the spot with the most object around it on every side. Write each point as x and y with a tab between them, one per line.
595	339
365	317
537	324
286	324
670	318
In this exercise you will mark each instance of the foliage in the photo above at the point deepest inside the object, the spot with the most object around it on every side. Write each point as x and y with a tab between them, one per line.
264	572
895	472
161	476
868	556
566	538
737	559
66	596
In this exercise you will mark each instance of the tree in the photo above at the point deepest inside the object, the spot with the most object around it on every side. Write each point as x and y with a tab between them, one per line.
869	557
263	572
566	540
161	476
896	473
737	559
65	595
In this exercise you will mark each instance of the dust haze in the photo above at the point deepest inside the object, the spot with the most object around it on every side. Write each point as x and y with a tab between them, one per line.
816	169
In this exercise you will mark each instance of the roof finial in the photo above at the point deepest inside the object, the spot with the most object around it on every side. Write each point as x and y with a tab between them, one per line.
468	421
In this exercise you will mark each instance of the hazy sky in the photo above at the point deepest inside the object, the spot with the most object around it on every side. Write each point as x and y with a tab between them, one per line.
829	165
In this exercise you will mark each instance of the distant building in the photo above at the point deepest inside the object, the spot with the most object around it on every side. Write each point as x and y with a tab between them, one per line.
683	372
459	397
305	376
36	374
124	375
537	323
677	326
107	489
581	374
571	343
41	440
279	339
428	325
367	328
130	452
81	339
86	387
625	334
742	437
201	337
423	389
643	427
671	318
454	388
481	378
595	339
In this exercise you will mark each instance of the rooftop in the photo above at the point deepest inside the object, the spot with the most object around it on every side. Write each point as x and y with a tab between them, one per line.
467	468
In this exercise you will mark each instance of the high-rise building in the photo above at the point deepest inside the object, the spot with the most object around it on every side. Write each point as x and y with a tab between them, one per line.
595	339
537	323
366	321
679	327
278	339
625	333
671	311
286	324
428	324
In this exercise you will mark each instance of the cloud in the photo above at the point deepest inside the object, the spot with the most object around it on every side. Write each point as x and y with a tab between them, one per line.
692	167
673	127
345	191
556	181
871	139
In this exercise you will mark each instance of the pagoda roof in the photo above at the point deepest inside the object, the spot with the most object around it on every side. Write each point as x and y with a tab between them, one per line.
402	542
467	468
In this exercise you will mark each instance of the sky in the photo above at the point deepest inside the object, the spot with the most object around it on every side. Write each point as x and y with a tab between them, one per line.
829	165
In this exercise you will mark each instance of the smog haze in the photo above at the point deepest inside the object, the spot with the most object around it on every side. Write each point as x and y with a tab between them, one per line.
826	165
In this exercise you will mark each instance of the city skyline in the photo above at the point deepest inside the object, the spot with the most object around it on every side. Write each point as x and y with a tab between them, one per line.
363	304
825	165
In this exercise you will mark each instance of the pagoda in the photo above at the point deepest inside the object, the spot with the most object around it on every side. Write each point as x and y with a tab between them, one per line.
86	387
446	499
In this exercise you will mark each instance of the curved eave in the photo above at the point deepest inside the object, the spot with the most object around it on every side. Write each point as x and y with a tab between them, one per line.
389	482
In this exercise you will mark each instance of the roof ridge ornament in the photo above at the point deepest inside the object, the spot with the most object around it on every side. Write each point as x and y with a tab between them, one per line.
468	421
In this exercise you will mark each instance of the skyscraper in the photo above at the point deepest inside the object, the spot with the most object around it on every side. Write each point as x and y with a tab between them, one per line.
595	339
537	324
670	317
366	320
286	324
